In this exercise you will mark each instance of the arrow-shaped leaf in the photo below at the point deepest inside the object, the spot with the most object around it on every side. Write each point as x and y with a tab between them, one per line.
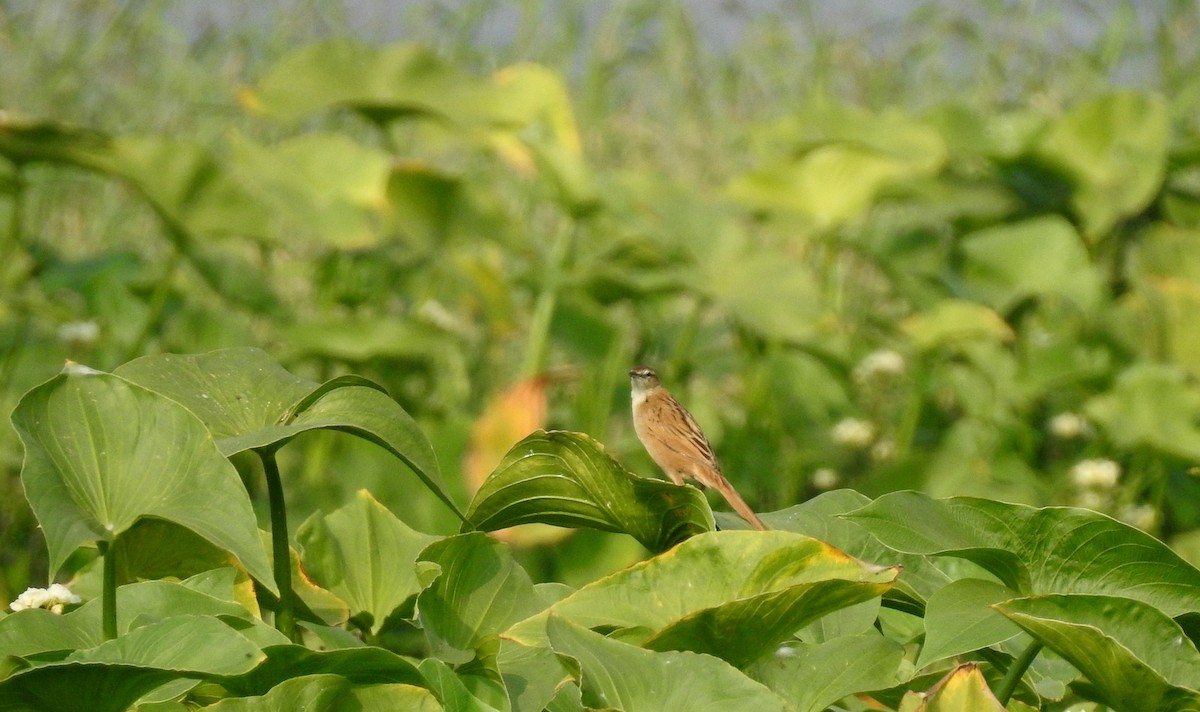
567	479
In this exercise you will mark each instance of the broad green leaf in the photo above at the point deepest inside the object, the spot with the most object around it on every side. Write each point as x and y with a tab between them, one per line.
157	549
102	452
1151	405
733	594
32	632
963	689
830	185
366	665
333	693
1047	550
549	134
820	518
36	631
971	132
621	676
60	687
383	83
776	296
532	676
1134	656
479	591
449	688
236	392
1007	263
1114	148
567	479
812	677
118	672
960	619
322	186
365	555
190	643
249	401
1156	320
952	321
182	180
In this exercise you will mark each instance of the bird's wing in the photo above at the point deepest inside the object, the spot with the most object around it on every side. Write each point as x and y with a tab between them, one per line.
691	441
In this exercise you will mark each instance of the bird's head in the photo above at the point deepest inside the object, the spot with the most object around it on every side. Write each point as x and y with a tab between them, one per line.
643	379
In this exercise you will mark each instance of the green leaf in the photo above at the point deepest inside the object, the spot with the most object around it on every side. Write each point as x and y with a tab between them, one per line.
333	693
567	479
1151	405
1134	656
963	689
115	674
733	594
249	401
1047	550
191	643
830	185
820	518
951	321
1042	256
620	676
31	632
813	677
61	687
322	186
770	293
236	392
102	452
532	675
383	83
365	555
449	688
960	619
364	666
479	591
1114	148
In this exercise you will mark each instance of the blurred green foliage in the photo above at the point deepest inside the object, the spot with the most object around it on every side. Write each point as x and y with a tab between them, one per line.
965	260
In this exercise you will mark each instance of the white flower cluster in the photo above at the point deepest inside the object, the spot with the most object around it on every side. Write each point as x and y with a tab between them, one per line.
853	432
1068	426
1142	516
79	332
884	363
53	598
825	478
1096	474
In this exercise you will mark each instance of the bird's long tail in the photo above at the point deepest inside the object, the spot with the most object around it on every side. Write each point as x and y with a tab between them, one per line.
739	505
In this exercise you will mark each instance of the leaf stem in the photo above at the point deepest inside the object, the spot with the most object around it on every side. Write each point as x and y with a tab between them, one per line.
108	591
547	302
285	617
1016	671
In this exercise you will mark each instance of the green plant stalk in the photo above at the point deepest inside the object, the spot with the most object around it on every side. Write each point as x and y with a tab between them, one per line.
158	303
108	591
1016	671
543	311
285	616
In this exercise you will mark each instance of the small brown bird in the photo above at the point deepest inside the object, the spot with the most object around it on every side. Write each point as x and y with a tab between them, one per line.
676	443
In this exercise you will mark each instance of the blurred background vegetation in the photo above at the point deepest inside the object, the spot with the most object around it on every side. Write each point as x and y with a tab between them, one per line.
872	245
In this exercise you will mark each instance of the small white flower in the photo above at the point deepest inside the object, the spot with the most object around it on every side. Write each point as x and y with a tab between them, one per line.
884	363
79	332
1142	516
825	478
1069	426
1096	474
883	450
853	432
1091	499
53	598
